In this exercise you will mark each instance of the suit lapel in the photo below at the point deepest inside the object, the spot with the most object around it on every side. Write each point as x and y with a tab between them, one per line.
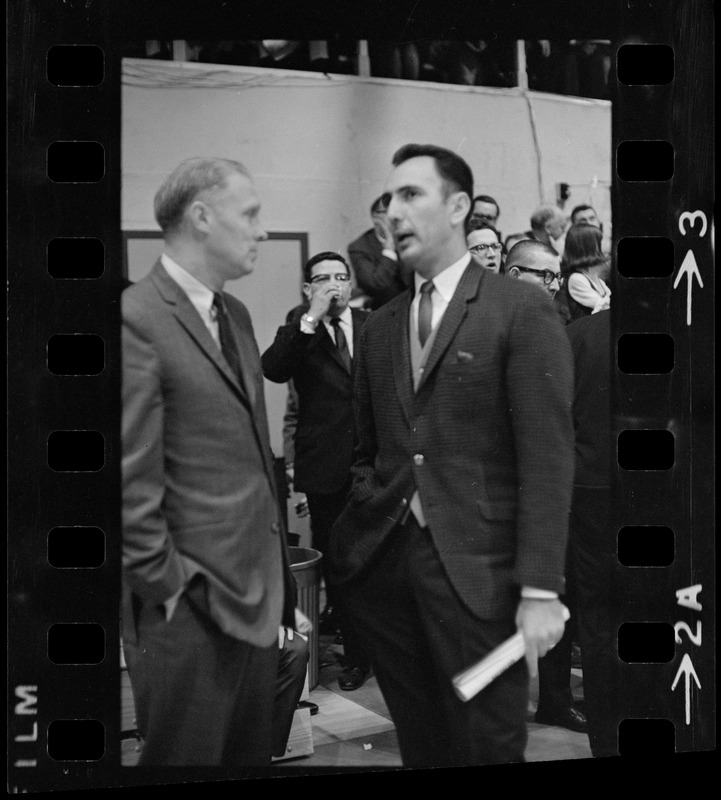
401	355
466	291
188	317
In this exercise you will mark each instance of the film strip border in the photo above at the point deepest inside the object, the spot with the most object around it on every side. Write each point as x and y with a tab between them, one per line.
64	379
662	315
63	400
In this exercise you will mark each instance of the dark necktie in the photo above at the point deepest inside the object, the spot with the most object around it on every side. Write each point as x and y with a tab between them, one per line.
227	339
425	312
341	343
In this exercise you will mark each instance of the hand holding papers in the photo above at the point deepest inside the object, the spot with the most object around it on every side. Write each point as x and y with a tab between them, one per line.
468	683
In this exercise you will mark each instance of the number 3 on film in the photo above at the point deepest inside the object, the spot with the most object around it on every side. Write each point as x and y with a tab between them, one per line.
689	267
688	598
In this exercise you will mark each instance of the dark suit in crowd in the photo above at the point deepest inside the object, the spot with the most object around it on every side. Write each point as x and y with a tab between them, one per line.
592	536
324	435
377	275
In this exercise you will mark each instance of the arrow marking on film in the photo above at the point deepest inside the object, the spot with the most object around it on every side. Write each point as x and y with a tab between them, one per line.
689	268
686	669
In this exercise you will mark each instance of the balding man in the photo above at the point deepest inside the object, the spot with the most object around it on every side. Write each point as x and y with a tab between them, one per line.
548	224
535	262
206	583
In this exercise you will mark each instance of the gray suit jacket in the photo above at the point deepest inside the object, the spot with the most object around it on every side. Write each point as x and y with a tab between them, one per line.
199	494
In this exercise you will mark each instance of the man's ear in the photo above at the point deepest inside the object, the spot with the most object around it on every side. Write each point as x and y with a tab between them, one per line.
197	215
306	291
460	206
513	272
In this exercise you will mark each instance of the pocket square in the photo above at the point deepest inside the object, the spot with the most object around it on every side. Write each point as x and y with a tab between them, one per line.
461	355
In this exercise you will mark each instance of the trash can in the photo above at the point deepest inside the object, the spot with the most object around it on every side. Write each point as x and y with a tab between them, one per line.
305	566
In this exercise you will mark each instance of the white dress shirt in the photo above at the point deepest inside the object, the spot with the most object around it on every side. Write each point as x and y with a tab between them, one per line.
198	293
346	321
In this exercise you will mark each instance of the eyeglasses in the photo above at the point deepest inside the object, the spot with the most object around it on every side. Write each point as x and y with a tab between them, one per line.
341	277
548	275
481	248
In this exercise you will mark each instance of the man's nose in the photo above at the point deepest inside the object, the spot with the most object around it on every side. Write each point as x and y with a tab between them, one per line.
261	234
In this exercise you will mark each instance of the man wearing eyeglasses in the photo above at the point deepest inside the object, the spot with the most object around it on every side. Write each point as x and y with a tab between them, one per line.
484	244
316	351
535	262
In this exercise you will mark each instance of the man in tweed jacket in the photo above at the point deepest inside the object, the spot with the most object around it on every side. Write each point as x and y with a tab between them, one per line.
455	533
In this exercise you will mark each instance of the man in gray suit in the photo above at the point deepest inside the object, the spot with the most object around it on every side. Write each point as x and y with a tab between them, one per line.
455	532
206	582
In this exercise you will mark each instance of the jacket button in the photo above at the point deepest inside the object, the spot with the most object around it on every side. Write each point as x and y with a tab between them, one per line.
418	459
275	528
404	502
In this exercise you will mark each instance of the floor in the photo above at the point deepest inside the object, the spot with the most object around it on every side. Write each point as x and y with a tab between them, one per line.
354	729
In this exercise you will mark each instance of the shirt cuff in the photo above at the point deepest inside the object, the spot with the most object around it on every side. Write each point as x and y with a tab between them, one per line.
306	328
529	593
389	254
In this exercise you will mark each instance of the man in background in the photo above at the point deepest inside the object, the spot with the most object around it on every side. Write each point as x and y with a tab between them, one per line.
548	224
315	350
378	271
486	209
537	263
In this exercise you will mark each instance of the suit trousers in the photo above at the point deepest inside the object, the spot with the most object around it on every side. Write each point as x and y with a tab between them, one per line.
419	634
324	510
592	545
202	698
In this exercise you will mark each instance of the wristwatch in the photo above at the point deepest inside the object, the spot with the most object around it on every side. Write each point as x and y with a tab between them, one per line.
312	321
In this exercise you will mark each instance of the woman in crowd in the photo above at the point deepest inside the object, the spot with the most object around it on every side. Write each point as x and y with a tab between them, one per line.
585	267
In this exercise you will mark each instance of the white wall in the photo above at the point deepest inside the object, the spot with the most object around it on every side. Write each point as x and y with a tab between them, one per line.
320	147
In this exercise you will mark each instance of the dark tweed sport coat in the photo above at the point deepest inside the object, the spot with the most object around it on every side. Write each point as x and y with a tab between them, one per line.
487	439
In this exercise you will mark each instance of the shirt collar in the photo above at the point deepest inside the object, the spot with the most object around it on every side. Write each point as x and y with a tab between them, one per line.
198	292
446	281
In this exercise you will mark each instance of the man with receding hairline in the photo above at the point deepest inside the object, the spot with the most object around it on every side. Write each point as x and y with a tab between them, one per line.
455	531
206	582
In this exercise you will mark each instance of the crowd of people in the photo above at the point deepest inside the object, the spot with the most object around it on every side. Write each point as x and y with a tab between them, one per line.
572	67
449	424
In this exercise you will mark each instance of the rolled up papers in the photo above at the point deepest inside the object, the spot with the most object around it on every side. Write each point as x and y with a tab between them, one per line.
468	683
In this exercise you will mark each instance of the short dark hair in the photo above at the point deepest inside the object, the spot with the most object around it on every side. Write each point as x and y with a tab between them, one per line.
188	181
475	224
583	247
520	249
327	255
455	172
582	207
486	198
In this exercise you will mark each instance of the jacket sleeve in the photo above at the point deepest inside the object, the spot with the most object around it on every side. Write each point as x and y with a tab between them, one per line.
153	567
539	374
283	358
381	279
